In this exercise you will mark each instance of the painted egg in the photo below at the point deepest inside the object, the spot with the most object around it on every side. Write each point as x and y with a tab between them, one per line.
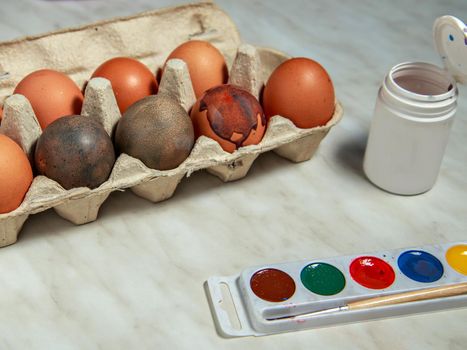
229	115
52	95
205	63
131	80
76	152
157	131
301	90
15	174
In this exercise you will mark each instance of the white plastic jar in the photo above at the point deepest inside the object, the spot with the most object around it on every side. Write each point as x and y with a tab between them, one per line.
414	112
410	129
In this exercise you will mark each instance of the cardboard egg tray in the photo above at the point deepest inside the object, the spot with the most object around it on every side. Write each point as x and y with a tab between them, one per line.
148	37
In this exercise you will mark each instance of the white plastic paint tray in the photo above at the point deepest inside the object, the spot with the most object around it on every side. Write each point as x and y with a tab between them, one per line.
148	37
238	312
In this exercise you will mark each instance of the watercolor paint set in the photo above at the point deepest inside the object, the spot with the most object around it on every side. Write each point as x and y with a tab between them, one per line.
322	292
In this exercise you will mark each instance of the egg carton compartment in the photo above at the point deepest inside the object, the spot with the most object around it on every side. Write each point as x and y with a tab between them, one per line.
93	44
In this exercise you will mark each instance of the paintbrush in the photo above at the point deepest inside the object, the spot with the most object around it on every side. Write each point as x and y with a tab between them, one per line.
399	298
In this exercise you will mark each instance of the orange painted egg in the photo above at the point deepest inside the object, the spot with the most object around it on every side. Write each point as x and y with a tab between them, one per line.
131	80
52	95
301	90
205	63
15	174
229	115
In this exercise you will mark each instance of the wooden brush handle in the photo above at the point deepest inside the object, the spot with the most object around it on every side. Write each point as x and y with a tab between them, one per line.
423	294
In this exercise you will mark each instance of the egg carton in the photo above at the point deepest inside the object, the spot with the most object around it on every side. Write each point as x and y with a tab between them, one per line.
149	37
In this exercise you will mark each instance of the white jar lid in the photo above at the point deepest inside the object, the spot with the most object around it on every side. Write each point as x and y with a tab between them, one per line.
450	37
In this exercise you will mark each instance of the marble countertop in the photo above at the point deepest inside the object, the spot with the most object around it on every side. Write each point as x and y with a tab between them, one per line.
134	278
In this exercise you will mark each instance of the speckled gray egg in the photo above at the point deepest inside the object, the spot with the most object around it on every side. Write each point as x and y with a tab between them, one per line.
75	151
157	131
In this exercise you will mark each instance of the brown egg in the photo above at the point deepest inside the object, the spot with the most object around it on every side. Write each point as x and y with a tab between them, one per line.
131	80
230	115
301	90
52	95
156	130
205	63
15	174
1	114
76	152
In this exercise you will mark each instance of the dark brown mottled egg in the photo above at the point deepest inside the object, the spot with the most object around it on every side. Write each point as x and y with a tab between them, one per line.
76	152
230	115
157	131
